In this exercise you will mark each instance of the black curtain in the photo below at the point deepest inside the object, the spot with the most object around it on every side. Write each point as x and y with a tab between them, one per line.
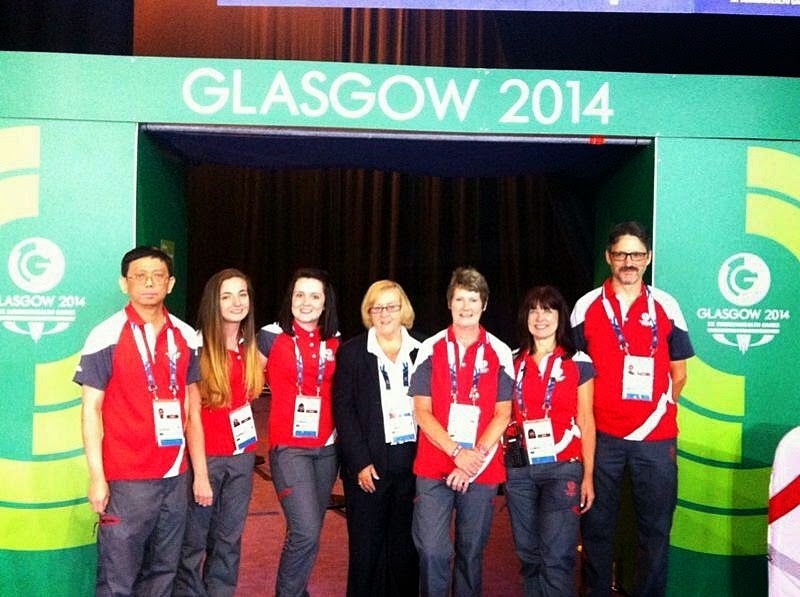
364	225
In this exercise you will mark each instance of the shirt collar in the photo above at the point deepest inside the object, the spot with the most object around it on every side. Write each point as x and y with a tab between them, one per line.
451	336
407	344
543	362
303	333
135	318
608	289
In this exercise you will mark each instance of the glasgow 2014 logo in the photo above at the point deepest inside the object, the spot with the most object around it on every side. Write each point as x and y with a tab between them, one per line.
744	280
36	266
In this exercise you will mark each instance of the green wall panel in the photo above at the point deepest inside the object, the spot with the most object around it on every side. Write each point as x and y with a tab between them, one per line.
727	216
66	217
161	212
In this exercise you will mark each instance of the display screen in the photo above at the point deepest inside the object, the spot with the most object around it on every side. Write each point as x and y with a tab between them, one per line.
744	7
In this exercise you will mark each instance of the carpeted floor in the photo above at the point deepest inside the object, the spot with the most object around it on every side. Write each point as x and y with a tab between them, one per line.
264	531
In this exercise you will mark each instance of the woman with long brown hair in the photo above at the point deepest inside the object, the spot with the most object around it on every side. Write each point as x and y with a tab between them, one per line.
231	375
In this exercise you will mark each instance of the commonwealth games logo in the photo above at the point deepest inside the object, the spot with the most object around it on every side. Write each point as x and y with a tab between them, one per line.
744	280
36	266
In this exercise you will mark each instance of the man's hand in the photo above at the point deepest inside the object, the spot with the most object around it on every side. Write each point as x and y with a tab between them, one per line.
98	495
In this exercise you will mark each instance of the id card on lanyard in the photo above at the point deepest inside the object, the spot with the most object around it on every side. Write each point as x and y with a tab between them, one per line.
637	371
538	434
539	440
167	419
637	380
462	422
243	427
306	416
400	426
306	407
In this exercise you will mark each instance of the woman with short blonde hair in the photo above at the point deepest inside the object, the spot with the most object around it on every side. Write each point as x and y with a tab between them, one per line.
370	298
377	440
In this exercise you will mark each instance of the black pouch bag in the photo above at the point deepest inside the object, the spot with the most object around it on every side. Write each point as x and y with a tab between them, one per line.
514	447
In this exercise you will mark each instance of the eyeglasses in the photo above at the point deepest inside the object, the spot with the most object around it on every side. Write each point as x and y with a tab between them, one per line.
141	277
376	309
636	256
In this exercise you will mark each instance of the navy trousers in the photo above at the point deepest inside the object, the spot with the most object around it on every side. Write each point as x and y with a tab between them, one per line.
654	478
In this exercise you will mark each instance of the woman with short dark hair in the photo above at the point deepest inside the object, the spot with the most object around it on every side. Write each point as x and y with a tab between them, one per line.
462	389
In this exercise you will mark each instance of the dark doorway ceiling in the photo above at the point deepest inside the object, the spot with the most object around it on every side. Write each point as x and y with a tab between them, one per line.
451	155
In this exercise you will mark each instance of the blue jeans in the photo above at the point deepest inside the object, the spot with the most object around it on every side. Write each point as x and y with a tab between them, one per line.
139	554
433	509
654	479
544	507
213	539
303	478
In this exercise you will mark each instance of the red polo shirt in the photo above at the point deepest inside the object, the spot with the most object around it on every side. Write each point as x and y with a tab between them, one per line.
110	361
279	348
216	421
431	377
595	334
575	371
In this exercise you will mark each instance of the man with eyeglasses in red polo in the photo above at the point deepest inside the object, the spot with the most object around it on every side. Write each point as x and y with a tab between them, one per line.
638	340
135	372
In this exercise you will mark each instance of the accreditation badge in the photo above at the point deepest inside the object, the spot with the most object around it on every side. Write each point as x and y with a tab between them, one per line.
401	426
306	416
243	427
637	378
168	423
539	440
462	424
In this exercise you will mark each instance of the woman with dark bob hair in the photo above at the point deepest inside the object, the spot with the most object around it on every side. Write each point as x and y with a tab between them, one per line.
549	444
300	350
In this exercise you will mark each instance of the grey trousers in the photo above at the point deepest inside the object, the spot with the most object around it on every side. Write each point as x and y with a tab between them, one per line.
544	506
433	509
138	555
303	478
213	539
